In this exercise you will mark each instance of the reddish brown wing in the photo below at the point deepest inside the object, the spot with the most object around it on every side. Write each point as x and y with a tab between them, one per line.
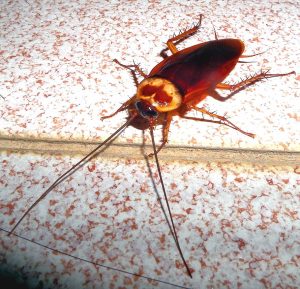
200	67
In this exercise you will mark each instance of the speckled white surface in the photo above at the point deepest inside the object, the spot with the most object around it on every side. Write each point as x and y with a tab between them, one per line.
58	78
238	224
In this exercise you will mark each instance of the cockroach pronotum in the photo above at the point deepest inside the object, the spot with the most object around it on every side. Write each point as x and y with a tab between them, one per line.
175	87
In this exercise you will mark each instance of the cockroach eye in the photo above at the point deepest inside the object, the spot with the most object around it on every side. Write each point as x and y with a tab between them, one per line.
160	93
145	109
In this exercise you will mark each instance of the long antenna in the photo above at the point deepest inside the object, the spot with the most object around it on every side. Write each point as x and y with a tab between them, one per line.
173	230
95	263
73	169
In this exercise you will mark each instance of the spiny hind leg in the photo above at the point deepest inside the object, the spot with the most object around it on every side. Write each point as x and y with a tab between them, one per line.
220	120
183	35
235	88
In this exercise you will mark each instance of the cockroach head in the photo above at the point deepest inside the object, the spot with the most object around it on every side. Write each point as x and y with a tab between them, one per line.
161	93
145	109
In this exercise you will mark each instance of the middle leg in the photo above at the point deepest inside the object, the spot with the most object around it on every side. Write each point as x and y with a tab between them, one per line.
221	120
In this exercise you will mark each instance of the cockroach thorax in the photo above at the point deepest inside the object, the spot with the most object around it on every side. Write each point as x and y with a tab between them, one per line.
160	93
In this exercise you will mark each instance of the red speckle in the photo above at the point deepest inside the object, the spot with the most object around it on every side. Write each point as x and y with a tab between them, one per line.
294	116
10	207
265	283
173	186
39	82
178	264
92	206
162	239
188	211
139	273
203	264
92	168
12	221
25	53
275	217
69	211
292	214
241	244
51	213
127	209
241	210
127	281
53	202
210	185
11	56
106	199
271	183
56	120
59	225
225	223
68	265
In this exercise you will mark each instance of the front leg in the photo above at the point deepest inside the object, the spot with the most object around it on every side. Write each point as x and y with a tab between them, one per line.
123	107
134	68
165	132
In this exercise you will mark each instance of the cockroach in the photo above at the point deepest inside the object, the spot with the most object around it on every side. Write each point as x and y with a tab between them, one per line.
175	87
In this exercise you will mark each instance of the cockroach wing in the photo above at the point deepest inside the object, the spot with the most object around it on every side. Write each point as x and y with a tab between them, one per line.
200	67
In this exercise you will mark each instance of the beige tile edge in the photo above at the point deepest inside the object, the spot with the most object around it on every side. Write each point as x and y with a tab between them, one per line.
136	151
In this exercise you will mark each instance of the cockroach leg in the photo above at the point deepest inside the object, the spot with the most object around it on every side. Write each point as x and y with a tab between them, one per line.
165	132
134	68
176	39
123	107
222	120
235	88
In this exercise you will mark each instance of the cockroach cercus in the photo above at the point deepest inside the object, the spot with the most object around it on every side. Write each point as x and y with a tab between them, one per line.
175	87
